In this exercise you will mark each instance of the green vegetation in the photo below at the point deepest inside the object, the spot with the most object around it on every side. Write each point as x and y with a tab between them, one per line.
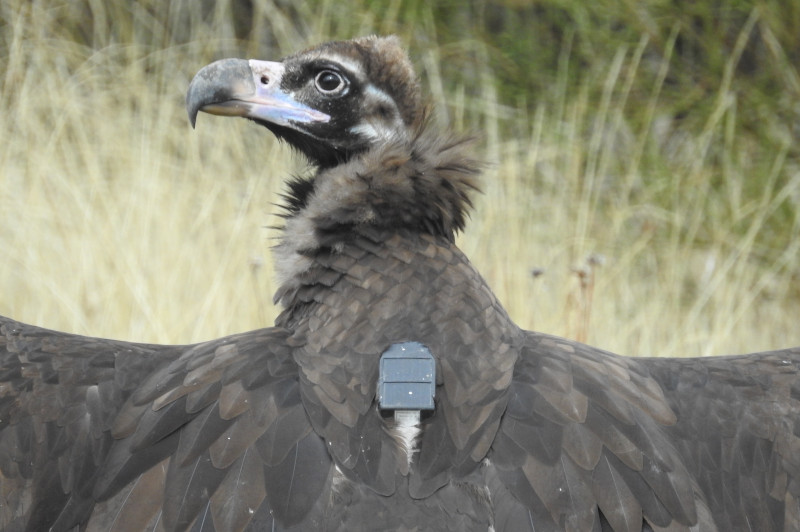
644	156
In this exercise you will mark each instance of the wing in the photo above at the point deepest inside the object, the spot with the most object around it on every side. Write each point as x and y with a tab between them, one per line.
583	446
592	441
119	436
738	430
59	394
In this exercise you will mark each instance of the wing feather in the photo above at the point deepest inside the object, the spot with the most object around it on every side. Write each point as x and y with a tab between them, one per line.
197	435
240	435
135	507
240	494
294	485
187	490
278	439
615	498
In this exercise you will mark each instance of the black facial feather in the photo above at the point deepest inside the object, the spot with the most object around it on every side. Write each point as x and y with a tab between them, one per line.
296	197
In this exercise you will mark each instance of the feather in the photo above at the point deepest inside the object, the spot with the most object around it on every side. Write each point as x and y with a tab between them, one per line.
564	490
233	400
76	462
133	363
531	514
437	449
674	490
155	425
127	420
197	435
122	466
239	436
294	485
615	499
601	395
582	445
281	436
187	490
200	398
571	405
613	438
165	379
582	511
651	441
653	510
135	507
240	494
555	374
102	403
524	400
375	464
541	439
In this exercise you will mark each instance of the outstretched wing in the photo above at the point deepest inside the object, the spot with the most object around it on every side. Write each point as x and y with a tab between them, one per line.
738	431
125	436
583	446
593	440
59	395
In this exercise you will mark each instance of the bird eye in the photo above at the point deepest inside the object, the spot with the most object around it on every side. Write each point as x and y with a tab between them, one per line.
330	82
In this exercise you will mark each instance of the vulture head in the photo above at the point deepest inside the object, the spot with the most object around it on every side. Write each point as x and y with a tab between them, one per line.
354	109
330	102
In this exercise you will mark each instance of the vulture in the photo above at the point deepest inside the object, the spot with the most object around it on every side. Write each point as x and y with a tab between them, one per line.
393	392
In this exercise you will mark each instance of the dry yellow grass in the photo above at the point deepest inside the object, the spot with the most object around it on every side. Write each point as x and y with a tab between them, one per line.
118	220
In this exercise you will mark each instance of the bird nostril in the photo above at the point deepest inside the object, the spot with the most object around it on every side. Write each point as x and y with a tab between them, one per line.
264	80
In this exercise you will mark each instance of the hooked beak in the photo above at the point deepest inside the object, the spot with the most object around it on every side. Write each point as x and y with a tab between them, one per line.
250	89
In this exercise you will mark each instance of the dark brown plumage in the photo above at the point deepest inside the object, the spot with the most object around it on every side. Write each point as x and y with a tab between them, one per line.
280	429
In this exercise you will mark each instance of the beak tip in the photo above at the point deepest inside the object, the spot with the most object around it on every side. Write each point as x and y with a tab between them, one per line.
193	103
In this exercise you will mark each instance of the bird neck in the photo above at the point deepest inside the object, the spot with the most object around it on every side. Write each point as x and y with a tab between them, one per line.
408	188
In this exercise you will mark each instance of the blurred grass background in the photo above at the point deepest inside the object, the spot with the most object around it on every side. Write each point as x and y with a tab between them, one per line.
643	193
